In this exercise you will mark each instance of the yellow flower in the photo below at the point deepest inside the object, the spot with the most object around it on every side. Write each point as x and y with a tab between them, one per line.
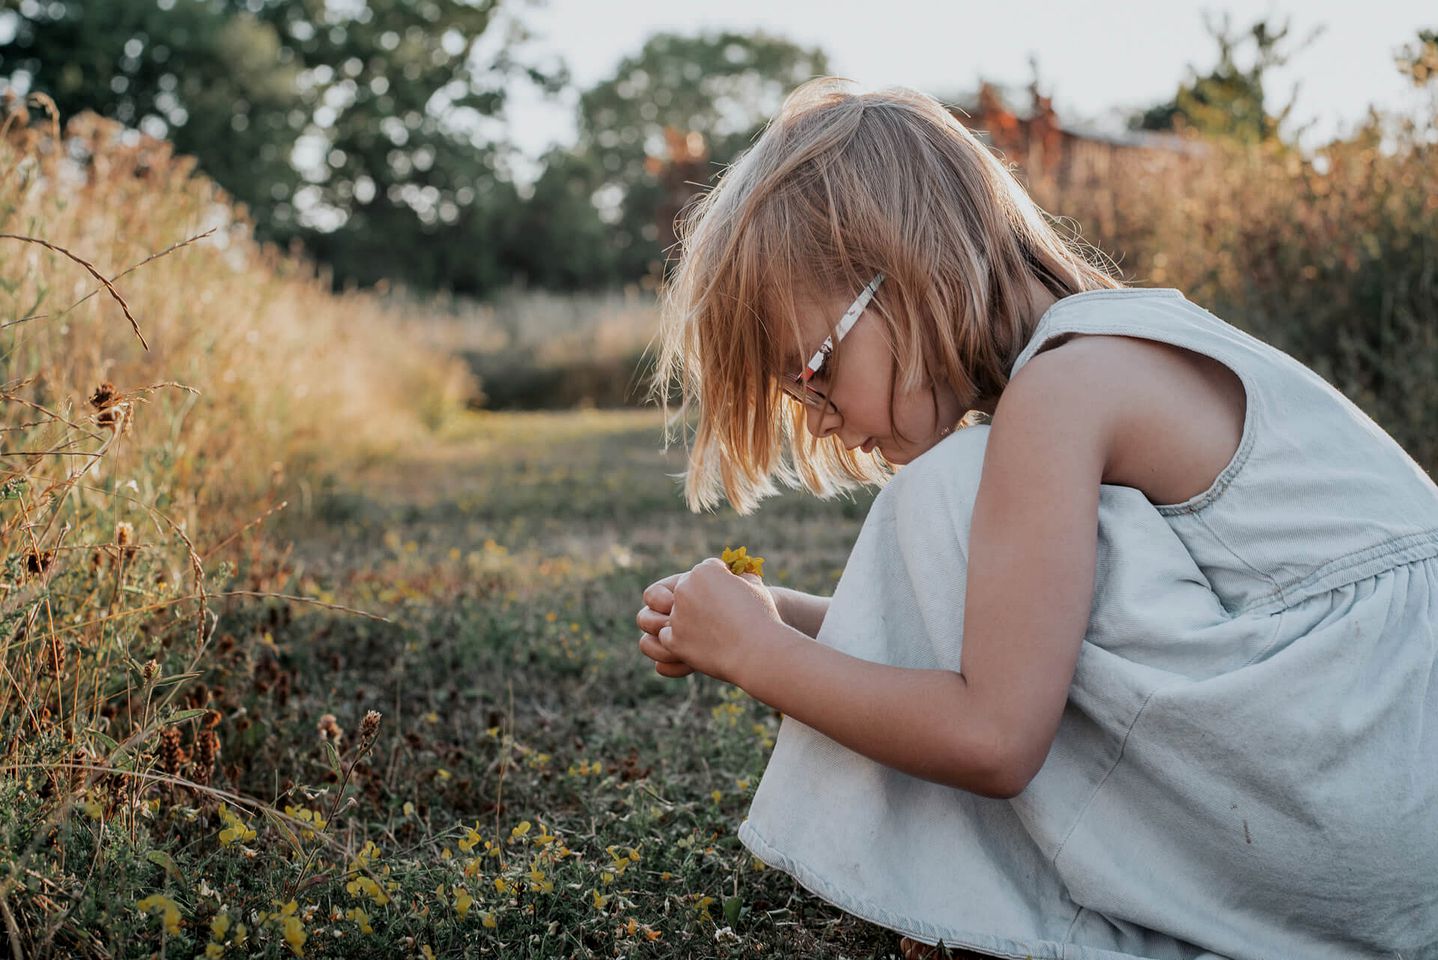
361	918
235	828
521	829
600	900
214	951
369	888
470	839
739	561
163	905
489	921
462	901
428	953
294	931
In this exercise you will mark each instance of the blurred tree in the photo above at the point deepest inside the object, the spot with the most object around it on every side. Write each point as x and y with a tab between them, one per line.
562	244
1229	100
357	127
1419	62
218	84
724	86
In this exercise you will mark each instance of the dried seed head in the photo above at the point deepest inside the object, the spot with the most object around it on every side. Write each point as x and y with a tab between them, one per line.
124	533
172	755
207	750
105	396
330	730
369	728
151	671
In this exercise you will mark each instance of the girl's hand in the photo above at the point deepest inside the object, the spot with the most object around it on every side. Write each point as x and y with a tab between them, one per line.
654	616
715	618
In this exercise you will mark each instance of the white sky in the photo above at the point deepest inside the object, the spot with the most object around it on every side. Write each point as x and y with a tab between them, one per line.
1092	56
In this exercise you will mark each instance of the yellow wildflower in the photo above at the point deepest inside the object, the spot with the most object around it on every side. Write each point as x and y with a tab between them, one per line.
739	561
462	901
600	899
520	830
489	921
361	918
235	828
166	908
428	953
220	925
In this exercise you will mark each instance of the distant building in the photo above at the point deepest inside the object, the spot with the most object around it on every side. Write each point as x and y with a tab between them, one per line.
1043	146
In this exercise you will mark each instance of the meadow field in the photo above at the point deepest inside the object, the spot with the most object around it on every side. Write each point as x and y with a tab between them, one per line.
319	639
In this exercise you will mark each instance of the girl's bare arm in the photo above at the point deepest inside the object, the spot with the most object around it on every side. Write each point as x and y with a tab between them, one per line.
802	611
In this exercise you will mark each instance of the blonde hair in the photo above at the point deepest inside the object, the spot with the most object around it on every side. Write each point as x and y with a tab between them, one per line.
840	186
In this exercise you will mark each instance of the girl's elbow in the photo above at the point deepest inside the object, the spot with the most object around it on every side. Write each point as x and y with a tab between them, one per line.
1003	772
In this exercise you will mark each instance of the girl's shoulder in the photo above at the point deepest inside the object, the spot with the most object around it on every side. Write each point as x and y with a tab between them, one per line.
1176	415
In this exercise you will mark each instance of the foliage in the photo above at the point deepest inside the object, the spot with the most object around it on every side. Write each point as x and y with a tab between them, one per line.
1228	101
356	128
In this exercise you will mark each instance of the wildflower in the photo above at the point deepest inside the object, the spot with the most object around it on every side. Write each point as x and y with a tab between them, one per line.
600	899
214	950
470	839
368	887
329	729
739	561
442	773
207	750
361	919
235	828
520	830
93	808
428	953
172	755
166	908
462	901
220	925
292	928
489	921
369	728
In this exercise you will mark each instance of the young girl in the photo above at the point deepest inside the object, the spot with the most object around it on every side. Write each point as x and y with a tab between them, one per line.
1142	667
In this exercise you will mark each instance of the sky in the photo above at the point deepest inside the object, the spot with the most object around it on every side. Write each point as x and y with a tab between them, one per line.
1092	57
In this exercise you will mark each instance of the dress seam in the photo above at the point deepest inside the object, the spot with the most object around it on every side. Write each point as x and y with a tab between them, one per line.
1416	546
1277	590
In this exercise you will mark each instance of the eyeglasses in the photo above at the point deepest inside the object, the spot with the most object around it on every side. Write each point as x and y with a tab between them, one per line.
798	386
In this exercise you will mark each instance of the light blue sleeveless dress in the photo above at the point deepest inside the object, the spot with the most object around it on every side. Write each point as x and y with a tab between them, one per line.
1247	766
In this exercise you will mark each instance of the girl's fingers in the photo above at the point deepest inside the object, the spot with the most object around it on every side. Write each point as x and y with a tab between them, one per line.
650	621
650	646
673	669
660	597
